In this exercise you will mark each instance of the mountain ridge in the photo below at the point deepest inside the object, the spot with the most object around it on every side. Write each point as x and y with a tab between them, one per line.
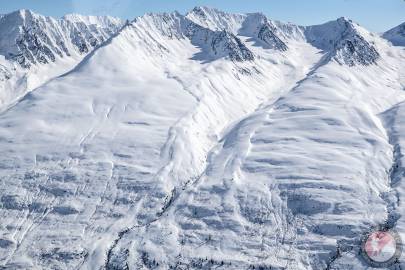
158	152
36	48
396	35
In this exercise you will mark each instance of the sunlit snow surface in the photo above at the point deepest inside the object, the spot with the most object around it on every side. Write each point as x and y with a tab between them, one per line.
154	153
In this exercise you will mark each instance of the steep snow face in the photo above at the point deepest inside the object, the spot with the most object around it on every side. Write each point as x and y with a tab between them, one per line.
292	186
267	35
346	42
36	48
224	43
254	25
214	44
215	19
30	38
186	144
23	40
257	26
396	35
139	118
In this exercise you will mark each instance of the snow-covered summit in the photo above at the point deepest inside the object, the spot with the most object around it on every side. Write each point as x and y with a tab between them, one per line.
253	25
396	35
30	38
268	154
36	48
345	40
33	41
215	19
226	43
214	44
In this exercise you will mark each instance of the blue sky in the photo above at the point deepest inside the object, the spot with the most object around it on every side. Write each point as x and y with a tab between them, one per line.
376	15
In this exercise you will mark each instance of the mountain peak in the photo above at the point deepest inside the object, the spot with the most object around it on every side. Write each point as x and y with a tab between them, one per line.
225	43
25	14
345	40
167	24
203	10
19	17
215	19
255	25
29	38
396	35
344	19
214	43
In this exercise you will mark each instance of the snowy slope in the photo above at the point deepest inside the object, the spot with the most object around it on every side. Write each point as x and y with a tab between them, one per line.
206	141
135	176
291	184
396	35
35	48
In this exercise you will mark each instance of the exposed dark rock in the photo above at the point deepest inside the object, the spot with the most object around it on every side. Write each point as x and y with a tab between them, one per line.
226	43
267	35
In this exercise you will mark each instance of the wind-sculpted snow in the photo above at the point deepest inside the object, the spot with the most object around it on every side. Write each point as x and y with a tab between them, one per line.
288	186
205	142
135	129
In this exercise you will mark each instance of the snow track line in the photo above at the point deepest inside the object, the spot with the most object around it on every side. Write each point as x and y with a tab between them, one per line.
395	173
185	88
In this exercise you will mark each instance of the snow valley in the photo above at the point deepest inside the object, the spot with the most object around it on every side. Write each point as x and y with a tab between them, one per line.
200	141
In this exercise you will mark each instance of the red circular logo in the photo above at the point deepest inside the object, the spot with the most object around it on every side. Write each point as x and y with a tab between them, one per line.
382	248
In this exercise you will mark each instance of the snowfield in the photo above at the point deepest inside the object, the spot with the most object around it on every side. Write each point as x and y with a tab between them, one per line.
203	141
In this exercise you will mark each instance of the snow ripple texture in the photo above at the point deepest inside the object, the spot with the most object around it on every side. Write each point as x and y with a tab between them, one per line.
201	141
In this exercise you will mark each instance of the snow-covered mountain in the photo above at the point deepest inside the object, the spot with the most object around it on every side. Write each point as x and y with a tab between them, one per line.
256	25
30	39
35	48
203	141
346	42
396	35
